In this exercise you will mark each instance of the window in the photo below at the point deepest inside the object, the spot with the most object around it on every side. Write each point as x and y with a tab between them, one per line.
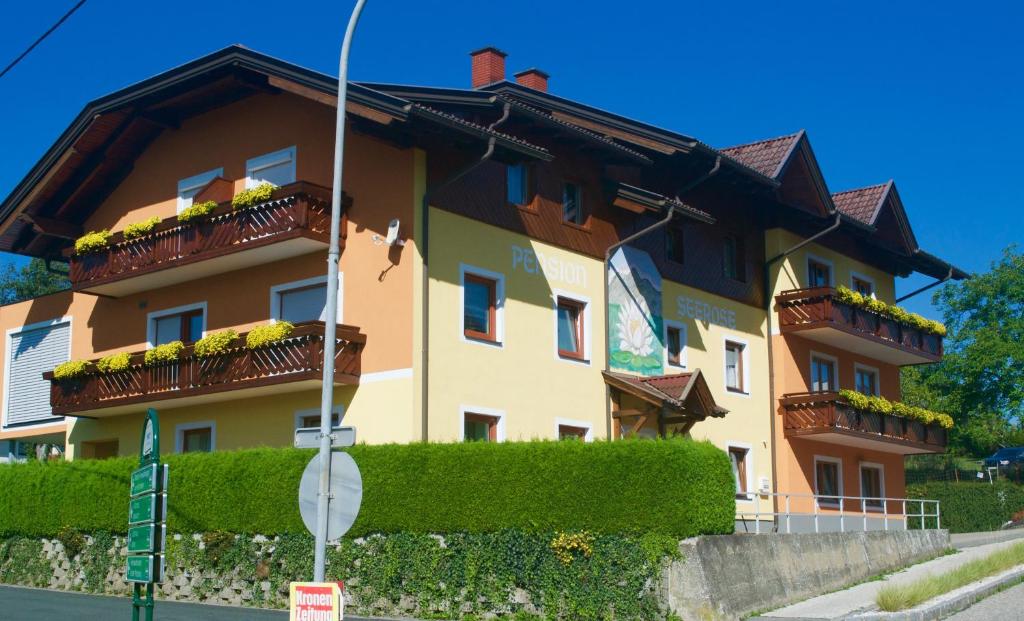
312	421
828	482
734	380
195	437
188	188
675	341
674	244
517	184
732	259
819	273
572	432
740	472
823	374
30	351
277	168
186	326
866	380
872	486
479	307
570	328
480	427
862	285
572	204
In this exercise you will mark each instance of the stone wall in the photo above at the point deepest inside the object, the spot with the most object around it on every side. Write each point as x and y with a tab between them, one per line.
732	576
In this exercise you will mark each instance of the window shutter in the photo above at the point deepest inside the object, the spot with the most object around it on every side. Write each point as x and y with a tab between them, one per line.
31	353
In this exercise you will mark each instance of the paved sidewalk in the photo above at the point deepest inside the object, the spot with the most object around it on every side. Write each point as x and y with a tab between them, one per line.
862	596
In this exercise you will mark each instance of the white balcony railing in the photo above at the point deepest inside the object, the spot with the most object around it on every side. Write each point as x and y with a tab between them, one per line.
819	513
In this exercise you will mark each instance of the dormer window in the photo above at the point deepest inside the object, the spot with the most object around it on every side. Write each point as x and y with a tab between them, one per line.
277	168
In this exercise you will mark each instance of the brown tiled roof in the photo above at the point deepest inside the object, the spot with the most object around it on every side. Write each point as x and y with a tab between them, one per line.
459	121
861	203
765	156
672	390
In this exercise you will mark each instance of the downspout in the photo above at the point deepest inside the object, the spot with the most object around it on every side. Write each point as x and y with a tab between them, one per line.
607	264
425	284
927	287
771	355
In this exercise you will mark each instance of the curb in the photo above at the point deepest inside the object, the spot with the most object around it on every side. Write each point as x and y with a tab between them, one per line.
944	608
937	610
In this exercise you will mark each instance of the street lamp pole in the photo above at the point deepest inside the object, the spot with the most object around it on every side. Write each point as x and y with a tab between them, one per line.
330	327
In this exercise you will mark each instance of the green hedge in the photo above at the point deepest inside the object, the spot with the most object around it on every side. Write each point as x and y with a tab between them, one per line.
676	487
972	507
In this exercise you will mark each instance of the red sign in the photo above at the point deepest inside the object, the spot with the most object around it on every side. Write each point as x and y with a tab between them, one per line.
315	601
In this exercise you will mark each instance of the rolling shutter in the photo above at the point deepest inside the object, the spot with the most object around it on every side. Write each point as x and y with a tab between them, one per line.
31	353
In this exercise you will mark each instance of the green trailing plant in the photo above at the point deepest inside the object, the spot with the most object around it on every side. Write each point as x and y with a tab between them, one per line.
891	311
114	363
138	229
93	241
73	541
168	352
541	487
261	336
253	196
881	405
71	369
196	211
215	344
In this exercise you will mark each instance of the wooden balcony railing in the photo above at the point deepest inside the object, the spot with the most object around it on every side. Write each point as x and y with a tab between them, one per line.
812	413
297	210
817	307
294	359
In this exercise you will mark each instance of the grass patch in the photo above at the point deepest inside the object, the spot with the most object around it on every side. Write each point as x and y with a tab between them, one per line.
900	597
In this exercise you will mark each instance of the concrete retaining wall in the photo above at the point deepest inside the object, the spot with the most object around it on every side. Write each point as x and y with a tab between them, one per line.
729	577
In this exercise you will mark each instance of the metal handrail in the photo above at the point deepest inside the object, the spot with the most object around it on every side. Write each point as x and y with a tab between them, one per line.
831	506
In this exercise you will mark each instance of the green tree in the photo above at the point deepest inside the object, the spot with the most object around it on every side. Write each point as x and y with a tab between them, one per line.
980	381
30	281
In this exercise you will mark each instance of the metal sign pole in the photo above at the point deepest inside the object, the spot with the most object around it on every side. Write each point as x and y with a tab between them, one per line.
147	511
327	391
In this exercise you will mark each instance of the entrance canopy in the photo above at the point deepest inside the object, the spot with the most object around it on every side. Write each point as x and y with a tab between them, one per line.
674	403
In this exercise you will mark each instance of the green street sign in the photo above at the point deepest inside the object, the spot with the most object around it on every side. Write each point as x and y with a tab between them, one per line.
144	480
143	538
144	508
145	568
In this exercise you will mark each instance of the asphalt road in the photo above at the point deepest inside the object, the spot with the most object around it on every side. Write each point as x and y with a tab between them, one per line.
1003	606
24	604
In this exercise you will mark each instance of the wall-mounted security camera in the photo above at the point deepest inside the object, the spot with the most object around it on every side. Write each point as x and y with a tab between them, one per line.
392	237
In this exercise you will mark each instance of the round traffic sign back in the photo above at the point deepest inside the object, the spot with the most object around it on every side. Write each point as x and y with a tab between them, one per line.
346	494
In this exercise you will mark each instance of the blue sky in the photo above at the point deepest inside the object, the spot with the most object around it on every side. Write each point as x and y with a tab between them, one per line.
929	94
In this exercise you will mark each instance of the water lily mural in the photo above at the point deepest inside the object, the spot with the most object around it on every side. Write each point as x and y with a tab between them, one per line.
634	312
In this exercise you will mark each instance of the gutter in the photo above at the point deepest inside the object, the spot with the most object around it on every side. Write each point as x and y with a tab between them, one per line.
607	264
768	312
425	284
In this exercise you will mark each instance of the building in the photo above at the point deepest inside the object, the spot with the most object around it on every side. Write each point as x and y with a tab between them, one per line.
486	320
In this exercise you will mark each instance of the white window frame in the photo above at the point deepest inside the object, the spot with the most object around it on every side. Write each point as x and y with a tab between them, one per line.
745	363
338	409
839	475
196	182
865	278
179	433
587	328
499	305
835	368
831	268
8	340
151	317
748	462
682	343
266	161
863	367
589	437
499	432
276	290
881	483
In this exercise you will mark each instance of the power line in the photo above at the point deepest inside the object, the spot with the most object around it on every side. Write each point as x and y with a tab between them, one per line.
40	39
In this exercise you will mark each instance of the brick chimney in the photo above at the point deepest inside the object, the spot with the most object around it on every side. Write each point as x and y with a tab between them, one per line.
533	78
488	66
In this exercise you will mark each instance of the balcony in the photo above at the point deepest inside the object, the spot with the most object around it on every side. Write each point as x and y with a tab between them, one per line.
825	417
290	365
816	314
295	221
